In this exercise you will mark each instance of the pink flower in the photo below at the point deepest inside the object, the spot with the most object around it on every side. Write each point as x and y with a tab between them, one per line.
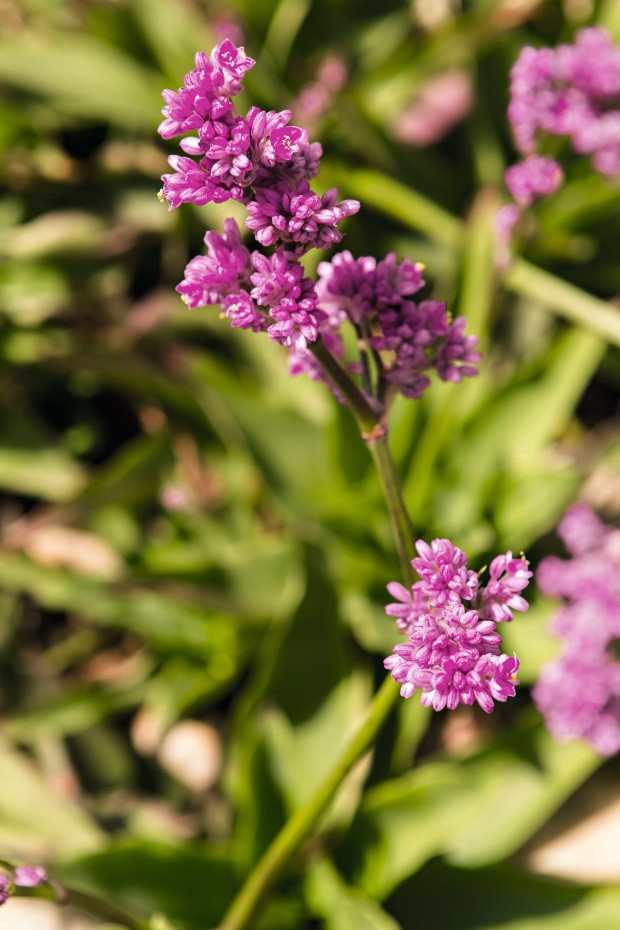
535	177
442	102
453	653
501	595
579	693
574	91
29	876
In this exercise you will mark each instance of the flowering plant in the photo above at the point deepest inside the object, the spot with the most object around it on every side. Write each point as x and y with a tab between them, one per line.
571	92
452	653
207	718
267	164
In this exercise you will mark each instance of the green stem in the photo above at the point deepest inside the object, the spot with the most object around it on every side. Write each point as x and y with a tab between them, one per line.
288	842
69	897
366	417
403	203
375	434
253	894
399	516
103	909
566	299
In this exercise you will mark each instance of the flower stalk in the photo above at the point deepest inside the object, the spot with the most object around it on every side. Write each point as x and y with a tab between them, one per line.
254	893
60	894
402	526
69	897
367	418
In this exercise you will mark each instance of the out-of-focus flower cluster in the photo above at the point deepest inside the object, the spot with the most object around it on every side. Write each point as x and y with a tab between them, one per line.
452	651
24	876
572	91
267	164
315	99
579	693
437	107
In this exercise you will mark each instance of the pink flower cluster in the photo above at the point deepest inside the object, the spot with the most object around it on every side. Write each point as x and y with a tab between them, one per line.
453	649
579	693
267	164
244	283
264	162
440	103
408	338
572	91
24	876
316	98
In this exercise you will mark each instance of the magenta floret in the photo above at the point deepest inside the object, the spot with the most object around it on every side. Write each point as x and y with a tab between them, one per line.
579	693
571	90
453	649
535	177
502	594
443	571
30	876
222	271
265	163
298	218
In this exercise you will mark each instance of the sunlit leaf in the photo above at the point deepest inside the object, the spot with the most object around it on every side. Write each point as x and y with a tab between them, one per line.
84	77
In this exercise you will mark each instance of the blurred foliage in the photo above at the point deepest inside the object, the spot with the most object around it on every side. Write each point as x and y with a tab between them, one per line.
188	532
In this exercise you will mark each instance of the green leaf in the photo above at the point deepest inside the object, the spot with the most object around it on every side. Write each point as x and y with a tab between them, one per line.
548	492
71	712
524	418
83	77
515	795
343	907
399	201
595	315
145	877
174	32
55	232
258	799
30	292
33	818
50	474
182	685
168	623
586	202
290	449
474	812
502	899
298	753
502	463
308	699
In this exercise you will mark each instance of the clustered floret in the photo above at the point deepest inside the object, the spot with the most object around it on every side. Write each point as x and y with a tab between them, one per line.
24	876
407	338
535	177
571	91
579	693
267	164
453	648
